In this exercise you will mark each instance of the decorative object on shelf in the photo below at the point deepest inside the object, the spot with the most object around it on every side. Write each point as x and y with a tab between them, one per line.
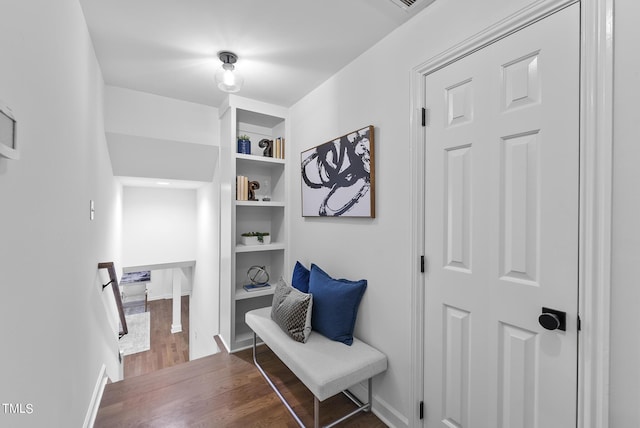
8	139
255	238
227	78
253	186
267	145
338	177
244	144
265	190
258	275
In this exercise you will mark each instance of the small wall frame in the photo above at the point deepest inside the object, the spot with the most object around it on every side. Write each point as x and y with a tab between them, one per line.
8	137
338	177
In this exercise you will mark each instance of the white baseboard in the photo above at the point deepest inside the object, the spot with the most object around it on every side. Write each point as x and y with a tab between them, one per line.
383	410
388	414
94	404
225	344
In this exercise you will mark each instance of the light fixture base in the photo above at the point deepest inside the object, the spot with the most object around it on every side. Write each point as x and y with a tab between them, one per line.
227	57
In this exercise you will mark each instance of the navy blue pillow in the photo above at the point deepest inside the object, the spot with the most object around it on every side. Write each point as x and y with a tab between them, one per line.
300	279
335	304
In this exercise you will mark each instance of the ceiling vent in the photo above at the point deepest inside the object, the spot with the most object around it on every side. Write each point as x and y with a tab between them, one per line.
412	5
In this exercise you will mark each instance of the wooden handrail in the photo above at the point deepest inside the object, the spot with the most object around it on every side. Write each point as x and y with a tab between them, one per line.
116	293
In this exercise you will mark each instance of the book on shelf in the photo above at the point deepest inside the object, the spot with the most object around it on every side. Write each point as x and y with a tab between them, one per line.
242	188
256	287
278	148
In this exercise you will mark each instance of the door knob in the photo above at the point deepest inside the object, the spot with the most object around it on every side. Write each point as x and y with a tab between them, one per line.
552	319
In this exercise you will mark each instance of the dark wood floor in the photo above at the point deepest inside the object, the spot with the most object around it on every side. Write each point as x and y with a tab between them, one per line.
221	390
167	349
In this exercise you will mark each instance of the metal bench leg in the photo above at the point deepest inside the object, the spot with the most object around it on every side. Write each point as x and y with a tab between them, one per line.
361	407
264	374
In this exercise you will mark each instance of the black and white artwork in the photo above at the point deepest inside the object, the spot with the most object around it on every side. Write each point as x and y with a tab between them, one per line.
338	177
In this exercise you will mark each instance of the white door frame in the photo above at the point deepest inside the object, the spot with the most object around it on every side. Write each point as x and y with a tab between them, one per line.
596	169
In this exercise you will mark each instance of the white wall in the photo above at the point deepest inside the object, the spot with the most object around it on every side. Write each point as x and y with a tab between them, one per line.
158	226
146	115
158	137
625	285
374	90
56	335
133	156
161	284
205	298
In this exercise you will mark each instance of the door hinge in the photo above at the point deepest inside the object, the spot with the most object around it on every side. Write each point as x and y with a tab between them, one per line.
422	263
579	323
421	410
424	116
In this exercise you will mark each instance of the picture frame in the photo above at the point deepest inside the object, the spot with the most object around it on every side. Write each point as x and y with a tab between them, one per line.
338	177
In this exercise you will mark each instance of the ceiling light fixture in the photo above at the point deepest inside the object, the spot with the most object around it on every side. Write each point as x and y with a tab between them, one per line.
227	78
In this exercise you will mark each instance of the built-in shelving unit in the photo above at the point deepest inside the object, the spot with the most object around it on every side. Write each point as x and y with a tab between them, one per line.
241	116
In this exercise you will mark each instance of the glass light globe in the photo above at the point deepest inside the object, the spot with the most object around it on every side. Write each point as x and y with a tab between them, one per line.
228	79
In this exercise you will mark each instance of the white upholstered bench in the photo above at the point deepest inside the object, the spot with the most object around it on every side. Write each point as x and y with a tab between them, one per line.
324	366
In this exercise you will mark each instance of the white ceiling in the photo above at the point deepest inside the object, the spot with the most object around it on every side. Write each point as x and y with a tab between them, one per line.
286	48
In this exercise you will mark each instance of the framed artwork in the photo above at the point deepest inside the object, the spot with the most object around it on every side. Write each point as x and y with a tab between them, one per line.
338	177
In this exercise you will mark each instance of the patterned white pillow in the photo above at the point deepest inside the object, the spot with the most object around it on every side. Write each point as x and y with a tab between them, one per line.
291	310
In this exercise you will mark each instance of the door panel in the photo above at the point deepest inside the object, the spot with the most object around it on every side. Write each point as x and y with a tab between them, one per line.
501	231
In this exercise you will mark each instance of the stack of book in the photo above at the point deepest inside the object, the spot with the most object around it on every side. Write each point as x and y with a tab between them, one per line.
256	287
278	148
242	188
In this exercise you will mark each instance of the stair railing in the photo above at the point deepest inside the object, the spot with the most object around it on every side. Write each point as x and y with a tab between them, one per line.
116	293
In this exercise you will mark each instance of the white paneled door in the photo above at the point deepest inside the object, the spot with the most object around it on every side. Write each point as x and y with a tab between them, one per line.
501	232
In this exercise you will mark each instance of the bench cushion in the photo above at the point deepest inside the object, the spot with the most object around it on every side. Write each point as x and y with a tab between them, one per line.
326	367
